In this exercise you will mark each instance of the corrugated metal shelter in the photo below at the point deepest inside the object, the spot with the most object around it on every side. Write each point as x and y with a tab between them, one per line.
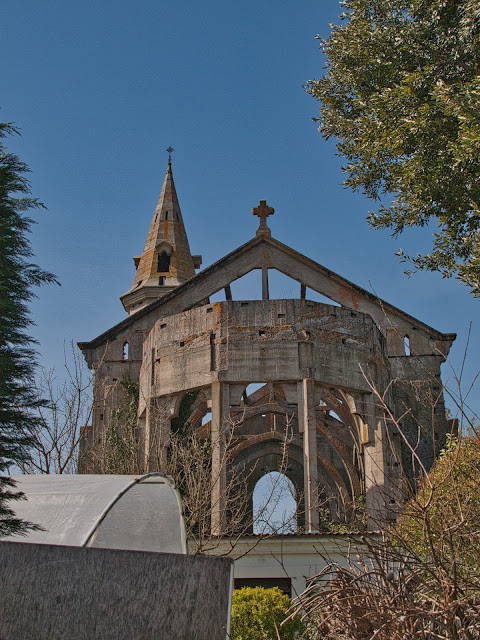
141	513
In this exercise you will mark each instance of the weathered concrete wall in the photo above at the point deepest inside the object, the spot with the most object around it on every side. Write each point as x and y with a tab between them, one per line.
285	342
306	350
111	368
259	341
420	409
71	593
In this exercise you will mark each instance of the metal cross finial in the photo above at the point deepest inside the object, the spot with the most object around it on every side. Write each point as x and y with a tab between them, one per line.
263	211
169	153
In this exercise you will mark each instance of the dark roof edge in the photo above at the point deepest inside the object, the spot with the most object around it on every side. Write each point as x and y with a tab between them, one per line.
113	331
102	338
314	534
376	299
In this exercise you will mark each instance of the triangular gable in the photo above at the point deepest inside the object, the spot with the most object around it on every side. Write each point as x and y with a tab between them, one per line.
264	251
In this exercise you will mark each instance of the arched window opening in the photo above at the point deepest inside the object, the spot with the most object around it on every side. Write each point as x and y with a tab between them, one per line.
125	351
163	263
274	505
250	390
406	345
180	424
207	417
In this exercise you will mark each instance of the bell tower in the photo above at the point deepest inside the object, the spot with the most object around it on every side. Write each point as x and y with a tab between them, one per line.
166	261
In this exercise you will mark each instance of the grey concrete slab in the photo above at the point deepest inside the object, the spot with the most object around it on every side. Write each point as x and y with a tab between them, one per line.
52	592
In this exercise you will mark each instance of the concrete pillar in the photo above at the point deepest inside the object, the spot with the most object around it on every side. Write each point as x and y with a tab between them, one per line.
307	425
157	434
265	291
220	427
141	440
375	456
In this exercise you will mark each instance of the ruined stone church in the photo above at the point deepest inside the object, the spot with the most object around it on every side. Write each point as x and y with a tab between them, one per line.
352	389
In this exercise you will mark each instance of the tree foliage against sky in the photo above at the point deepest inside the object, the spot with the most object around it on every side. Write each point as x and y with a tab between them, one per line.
18	276
401	97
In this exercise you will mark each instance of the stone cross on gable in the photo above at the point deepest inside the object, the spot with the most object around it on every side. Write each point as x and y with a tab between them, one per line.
263	211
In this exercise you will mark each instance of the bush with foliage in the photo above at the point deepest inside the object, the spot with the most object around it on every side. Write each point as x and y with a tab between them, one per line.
119	452
257	614
441	523
422	579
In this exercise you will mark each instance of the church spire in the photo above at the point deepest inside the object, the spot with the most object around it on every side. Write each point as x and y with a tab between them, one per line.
166	261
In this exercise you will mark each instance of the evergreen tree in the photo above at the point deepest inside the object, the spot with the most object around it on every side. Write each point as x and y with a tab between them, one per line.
18	276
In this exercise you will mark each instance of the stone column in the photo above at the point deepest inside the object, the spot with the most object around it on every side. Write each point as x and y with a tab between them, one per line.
220	426
307	425
157	433
375	465
265	291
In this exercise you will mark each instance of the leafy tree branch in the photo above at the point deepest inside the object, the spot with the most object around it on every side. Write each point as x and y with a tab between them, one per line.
400	96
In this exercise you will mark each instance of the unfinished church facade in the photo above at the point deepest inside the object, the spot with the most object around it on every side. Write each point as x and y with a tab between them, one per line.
351	390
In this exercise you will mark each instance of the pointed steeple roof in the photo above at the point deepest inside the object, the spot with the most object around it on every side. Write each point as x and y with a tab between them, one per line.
166	261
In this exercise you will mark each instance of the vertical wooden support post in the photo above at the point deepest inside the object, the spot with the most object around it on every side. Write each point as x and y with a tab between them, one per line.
375	466
265	292
307	424
220	426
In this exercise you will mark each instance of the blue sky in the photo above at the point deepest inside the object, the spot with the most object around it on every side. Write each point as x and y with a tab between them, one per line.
101	89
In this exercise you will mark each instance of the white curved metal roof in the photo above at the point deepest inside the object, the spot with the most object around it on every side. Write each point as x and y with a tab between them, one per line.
141	513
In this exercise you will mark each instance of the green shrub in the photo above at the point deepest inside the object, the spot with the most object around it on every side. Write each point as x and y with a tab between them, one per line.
441	523
257	614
